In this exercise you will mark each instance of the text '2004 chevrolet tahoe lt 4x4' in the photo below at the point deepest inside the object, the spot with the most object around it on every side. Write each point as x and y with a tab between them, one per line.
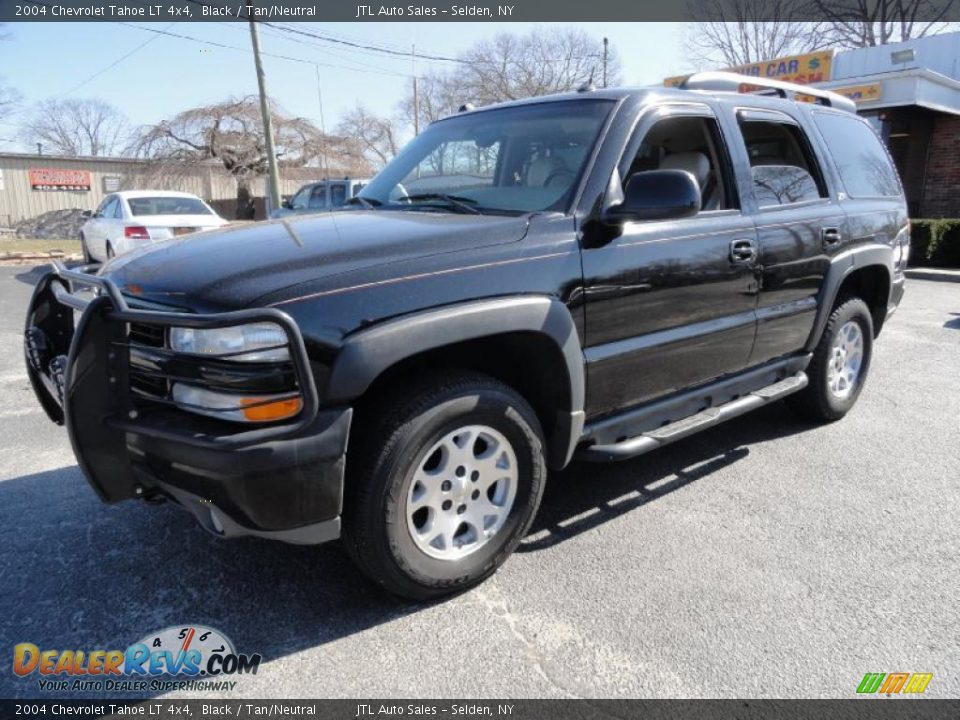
588	275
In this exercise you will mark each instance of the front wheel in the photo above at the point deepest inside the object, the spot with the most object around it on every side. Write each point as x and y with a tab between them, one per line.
446	484
840	364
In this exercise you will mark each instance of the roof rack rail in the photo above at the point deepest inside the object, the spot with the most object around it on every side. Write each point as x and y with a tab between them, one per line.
731	82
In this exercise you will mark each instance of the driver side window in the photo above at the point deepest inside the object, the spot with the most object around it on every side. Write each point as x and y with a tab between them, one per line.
693	144
299	201
105	207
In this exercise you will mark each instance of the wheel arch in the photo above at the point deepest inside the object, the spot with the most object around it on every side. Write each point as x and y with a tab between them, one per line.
528	342
863	272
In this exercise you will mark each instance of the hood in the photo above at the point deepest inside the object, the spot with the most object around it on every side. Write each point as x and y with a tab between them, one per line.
230	268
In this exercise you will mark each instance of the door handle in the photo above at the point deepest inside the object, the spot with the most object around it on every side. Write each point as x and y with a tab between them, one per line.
830	235
743	252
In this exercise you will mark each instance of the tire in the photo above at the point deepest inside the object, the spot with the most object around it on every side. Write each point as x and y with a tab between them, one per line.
831	394
415	484
87	257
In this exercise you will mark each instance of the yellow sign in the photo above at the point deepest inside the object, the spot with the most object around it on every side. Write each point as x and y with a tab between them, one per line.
802	69
860	93
857	93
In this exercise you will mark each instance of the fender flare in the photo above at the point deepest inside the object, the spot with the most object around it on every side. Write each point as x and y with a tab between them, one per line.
367	353
841	267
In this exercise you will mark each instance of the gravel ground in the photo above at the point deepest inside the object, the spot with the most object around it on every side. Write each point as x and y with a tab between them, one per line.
763	558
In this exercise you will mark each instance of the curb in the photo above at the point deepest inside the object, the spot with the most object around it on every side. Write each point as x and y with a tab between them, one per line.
935	274
24	258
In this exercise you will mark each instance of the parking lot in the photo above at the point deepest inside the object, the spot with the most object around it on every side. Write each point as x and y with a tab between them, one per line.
763	558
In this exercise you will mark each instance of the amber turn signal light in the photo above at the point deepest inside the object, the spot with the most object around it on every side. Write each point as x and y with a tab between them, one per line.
255	410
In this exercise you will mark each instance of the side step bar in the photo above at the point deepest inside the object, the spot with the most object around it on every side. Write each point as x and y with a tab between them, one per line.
651	440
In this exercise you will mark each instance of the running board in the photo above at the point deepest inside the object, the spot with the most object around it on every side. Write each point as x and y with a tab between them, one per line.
651	440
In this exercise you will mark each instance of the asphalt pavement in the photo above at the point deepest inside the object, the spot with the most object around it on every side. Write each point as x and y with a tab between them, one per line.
764	558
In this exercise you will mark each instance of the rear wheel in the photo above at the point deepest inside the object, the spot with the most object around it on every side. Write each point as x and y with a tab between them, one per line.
840	364
448	478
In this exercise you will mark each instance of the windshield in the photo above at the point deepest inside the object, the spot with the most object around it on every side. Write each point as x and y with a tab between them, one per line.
167	206
518	159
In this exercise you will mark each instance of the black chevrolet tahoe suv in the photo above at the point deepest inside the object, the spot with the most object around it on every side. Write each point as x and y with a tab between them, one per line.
589	275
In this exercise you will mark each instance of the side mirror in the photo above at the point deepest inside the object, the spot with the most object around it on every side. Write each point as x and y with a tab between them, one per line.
87	213
656	195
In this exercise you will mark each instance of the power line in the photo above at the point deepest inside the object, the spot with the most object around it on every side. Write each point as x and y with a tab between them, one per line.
373	48
282	36
247	50
337	40
116	62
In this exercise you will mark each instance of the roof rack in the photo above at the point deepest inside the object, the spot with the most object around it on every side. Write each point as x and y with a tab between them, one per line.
731	82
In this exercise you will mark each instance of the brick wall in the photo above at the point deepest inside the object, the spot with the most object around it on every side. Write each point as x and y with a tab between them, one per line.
941	194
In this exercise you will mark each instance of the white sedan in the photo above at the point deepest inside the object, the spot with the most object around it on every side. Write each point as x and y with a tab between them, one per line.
133	218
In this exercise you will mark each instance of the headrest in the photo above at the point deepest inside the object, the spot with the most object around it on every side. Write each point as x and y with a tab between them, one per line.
695	163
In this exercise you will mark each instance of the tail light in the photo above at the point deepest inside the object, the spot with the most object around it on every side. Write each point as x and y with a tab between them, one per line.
136	232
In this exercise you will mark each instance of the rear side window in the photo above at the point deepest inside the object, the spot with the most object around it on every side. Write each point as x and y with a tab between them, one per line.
861	158
338	194
782	165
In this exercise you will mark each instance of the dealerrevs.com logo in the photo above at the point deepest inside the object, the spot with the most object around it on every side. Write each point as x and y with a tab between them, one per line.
177	658
894	683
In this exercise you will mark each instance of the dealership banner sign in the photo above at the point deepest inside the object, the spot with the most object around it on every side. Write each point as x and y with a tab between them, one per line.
801	69
52	179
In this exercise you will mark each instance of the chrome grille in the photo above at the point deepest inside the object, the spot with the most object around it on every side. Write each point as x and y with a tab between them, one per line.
146	334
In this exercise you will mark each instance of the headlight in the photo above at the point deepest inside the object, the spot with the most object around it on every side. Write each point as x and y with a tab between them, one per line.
231	406
254	342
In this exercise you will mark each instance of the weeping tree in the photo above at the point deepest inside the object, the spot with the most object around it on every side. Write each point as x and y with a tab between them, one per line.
231	132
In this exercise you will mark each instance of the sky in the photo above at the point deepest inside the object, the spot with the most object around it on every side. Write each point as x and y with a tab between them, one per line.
170	74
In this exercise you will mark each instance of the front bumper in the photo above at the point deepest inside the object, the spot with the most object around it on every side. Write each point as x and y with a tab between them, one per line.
282	481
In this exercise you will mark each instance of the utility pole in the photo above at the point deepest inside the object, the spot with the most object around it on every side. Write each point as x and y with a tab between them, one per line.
39	148
606	44
265	111
416	92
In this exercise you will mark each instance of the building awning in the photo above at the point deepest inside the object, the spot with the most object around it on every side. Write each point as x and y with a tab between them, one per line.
901	88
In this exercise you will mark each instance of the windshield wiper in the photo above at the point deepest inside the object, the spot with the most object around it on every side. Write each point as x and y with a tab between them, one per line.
463	204
357	200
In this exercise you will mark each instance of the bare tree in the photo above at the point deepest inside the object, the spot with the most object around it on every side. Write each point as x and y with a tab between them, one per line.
438	95
231	132
538	63
375	135
77	127
729	33
9	97
509	67
866	23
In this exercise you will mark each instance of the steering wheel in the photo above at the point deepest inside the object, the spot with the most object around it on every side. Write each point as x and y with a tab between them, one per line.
561	174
